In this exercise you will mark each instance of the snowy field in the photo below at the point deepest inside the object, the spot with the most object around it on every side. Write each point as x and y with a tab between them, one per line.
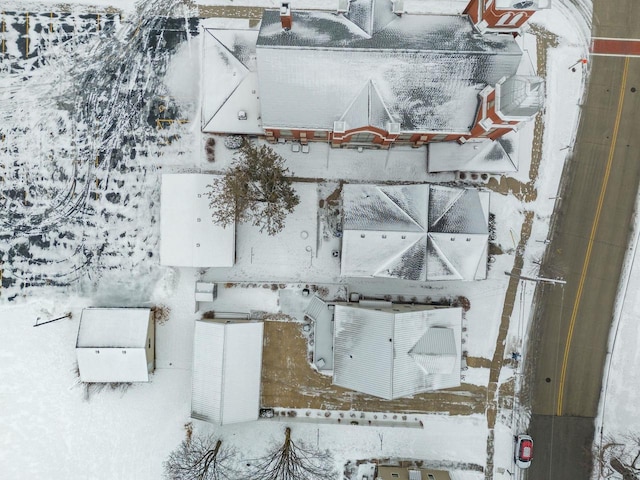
88	235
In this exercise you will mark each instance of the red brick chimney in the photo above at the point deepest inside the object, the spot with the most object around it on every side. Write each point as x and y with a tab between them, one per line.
285	16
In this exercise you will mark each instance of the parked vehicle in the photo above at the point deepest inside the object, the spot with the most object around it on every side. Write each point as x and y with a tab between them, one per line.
524	451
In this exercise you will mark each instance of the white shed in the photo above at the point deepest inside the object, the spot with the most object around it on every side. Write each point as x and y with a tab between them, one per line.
188	236
227	364
116	345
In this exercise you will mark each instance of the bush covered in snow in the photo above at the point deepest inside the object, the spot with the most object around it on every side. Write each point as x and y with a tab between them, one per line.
233	142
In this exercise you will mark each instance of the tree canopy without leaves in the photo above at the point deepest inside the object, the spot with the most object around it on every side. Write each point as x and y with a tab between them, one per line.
619	456
294	461
201	458
256	189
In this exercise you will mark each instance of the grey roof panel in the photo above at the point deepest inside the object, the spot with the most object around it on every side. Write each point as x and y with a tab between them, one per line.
427	70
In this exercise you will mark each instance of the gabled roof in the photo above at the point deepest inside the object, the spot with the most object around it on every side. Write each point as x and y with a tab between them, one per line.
227	364
367	109
427	69
372	16
188	235
435	352
398	351
113	328
112	345
415	232
230	59
484	156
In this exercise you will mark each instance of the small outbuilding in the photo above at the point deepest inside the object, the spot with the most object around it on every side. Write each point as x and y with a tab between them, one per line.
227	365
188	235
116	345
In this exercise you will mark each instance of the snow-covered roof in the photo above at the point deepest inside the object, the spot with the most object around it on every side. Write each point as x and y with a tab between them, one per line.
519	96
424	71
398	351
188	236
485	156
415	232
230	82
112	344
227	364
522	4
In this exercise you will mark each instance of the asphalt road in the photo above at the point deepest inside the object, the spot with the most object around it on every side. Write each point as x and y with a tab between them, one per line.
590	234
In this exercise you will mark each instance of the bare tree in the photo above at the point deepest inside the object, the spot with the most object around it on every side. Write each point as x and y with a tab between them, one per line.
201	458
294	461
256	189
619	456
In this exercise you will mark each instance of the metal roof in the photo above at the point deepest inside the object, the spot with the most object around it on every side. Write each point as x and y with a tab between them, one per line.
112	344
414	232
227	364
398	351
113	328
485	156
188	235
427	69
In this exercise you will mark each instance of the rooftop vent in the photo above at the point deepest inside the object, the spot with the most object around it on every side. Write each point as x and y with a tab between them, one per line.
242	115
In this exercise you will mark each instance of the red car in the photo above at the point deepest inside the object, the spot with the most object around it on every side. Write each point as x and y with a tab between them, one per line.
524	451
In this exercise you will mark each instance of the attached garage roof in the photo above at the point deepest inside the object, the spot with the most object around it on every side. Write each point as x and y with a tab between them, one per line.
227	364
188	236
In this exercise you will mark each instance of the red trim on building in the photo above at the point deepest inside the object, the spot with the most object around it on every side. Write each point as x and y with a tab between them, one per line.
473	10
507	19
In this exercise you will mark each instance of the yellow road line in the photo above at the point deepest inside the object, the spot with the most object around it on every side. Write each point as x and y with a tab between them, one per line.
51	22
594	227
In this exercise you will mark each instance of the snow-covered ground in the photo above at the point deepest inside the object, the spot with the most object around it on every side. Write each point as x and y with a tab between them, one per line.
620	391
49	427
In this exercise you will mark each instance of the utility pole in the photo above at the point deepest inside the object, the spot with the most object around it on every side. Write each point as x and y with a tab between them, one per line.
553	281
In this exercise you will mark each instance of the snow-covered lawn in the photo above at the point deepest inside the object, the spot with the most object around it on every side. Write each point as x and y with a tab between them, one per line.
49	428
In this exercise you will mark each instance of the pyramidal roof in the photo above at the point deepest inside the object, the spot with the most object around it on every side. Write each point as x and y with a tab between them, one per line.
415	232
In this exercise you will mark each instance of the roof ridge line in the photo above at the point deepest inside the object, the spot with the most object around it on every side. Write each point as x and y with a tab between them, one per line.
448	206
404	212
